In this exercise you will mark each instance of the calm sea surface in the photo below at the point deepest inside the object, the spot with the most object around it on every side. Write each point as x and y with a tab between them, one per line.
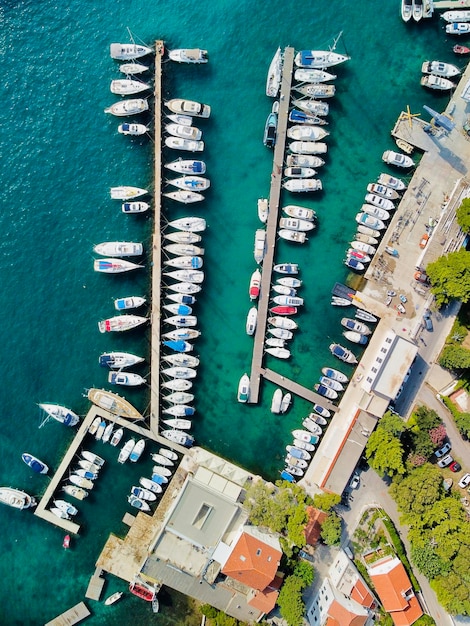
60	154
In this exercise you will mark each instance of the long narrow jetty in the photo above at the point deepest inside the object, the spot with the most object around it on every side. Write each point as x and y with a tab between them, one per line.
73	616
271	224
300	391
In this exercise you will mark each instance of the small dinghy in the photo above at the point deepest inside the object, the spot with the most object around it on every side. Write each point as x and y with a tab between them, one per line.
134	207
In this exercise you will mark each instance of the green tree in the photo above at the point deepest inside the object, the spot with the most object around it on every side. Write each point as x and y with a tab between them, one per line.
392	424
450	277
384	453
462	421
425	418
331	529
428	563
305	572
422	443
454	357
453	593
326	501
417	491
296	526
290	601
463	215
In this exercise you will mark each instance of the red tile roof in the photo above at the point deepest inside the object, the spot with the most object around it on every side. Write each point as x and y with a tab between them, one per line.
264	601
252	562
361	594
313	528
338	615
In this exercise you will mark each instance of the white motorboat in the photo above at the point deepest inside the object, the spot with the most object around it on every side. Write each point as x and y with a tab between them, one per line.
299	172
273	81
307	133
137	450
356	326
114	266
251	319
119	248
188	107
128	86
438	68
293	223
382	190
66	507
366	239
320	410
255	283
319	59
290	281
179	423
437	83
179	397
169	454
365	316
286	268
276	401
191	183
406	10
342	353
182	334
288	300
183	131
181	321
311	425
119	360
189	145
292	235
243	393
128	51
143	493
93	458
59	513
397	158
75	492
190	224
335	374
137	503
121	323
284	290
179	410
280	333
304	435
126	192
374	211
295	463
150	485
131	302
380	201
313	76
279	353
182	360
331	383
316	90
458	28
315	107
371	222
187	166
178	436
263	209
297	185
286	402
365	230
299	212
274	342
456	16
126	450
260	245
177	385
188	55
134	207
355	337
308	147
123	108
132	129
89	466
327	392
79	481
61	414
108	431
304	160
184	120
363	247
129	69
116	437
297	116
282	322
392	182
16	498
126	379
183	238
162	459
298	453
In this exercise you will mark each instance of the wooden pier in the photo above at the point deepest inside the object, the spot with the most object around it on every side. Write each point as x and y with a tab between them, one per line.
302	392
271	225
73	616
95	586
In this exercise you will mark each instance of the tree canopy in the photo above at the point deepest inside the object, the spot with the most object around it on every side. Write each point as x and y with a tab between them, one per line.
331	530
384	453
450	277
455	357
290	601
463	215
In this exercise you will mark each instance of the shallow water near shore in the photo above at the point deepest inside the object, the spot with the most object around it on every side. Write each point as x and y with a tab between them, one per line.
61	153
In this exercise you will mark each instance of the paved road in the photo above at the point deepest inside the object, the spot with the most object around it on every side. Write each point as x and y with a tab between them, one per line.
374	491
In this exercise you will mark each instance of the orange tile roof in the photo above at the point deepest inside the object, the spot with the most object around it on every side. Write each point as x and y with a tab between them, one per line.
361	594
392	583
313	528
252	562
265	600
340	616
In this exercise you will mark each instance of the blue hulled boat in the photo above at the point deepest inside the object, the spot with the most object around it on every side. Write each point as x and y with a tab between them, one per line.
34	463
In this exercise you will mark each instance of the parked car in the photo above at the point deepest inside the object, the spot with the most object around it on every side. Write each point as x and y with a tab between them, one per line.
465	480
424	240
355	480
455	467
428	321
421	277
446	448
445	461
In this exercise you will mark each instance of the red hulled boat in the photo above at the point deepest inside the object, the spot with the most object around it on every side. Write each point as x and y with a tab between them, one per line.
284	310
142	590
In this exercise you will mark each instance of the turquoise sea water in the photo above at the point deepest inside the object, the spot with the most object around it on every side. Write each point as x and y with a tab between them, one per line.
60	154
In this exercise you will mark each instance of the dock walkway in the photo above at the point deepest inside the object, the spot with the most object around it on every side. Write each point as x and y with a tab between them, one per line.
299	390
73	616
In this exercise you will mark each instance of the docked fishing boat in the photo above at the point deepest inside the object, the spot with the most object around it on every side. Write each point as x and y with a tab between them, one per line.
131	302
276	401
355	337
273	81
316	90
371	222
124	108
132	129
306	133
313	76
127	192
308	147
365	316
297	185
184	120
284	290
336	301
321	411
129	69
16	498
126	450
143	590
112	599
370	232
298	453
458	28
34	463
343	354
150	485
314	107
335	374
270	127
178	436
284	310
89	466
392	182
189	55
58	513
406	10
292	235
274	342
263	209
286	268
76	492
143	493
417	10
188	107
293	223
183	131
283	323
121	323
292	461
137	503
93	458
382	190
356	326
190	224
113	403
289	281
311	425
137	450
299	212
164	457
260	245
319	59
437	82
327	392
134	207
363	247
303	445
354	264
461	49
456	16
66	507
119	360
187	166
281	333
80	481
119	248
128	86
286	402
189	145
375	211
304	435
297	471
251	319
60	414
438	68
299	172
83	473
366	239
243	393
278	353
255	283
128	51
397	158
288	300
126	379
380	201
296	116
331	383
